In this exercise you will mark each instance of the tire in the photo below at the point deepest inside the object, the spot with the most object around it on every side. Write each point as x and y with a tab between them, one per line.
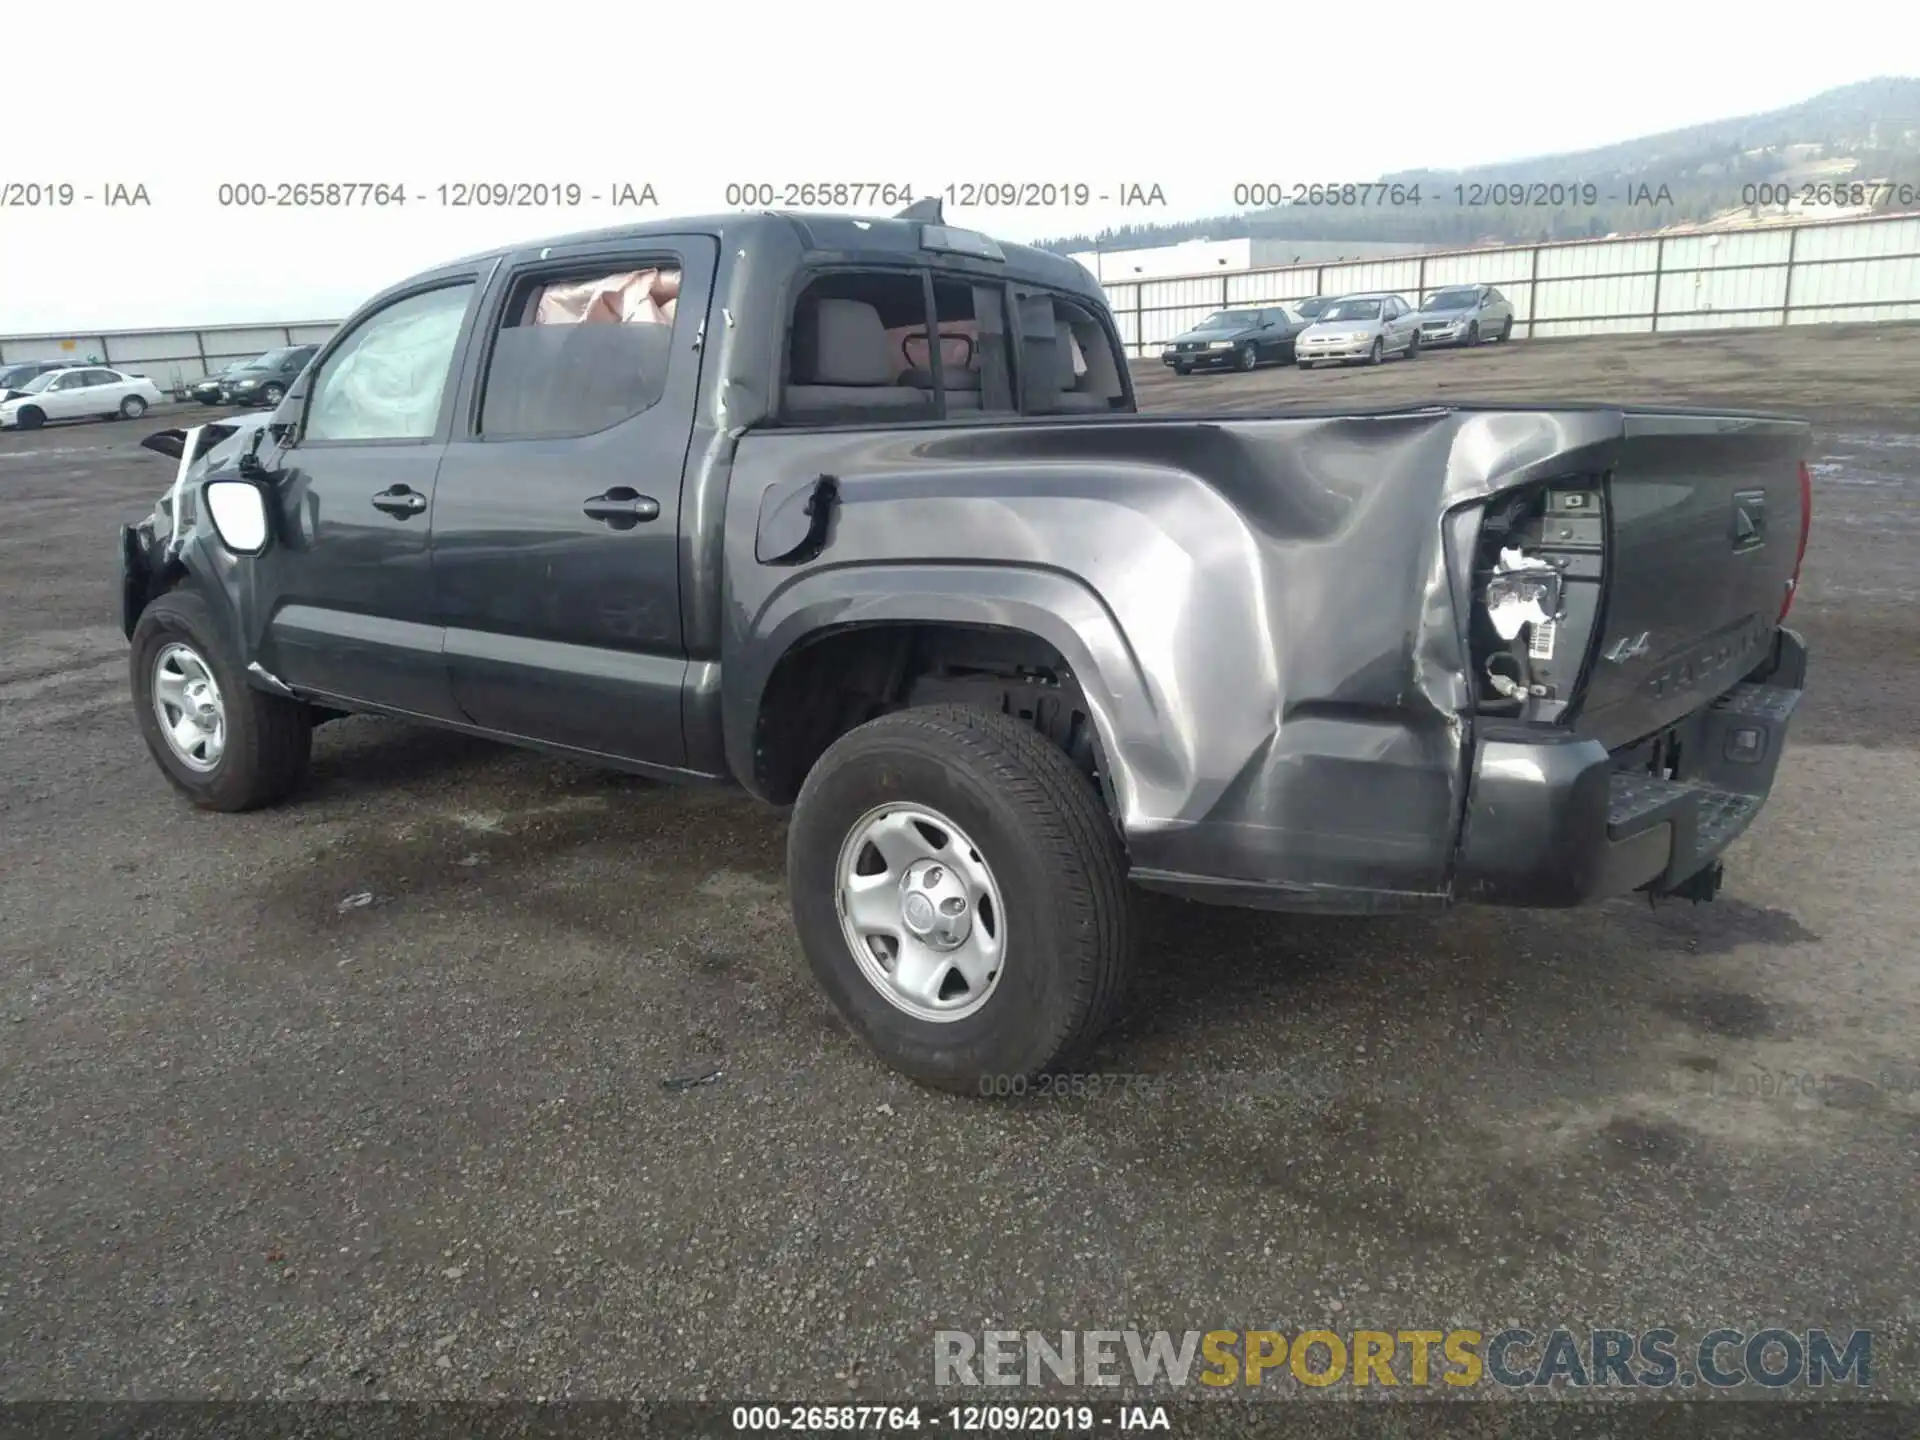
1306	364
1413	346
1473	335
1246	359
1183	369
132	408
266	740
1506	329
1049	851
273	395
1378	354
30	418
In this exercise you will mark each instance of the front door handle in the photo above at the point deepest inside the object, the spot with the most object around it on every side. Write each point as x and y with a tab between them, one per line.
622	508
400	501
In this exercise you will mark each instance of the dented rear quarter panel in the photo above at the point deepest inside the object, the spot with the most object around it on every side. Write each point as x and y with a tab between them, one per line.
1267	615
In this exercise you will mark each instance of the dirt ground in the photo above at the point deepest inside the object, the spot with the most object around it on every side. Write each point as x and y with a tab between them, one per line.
259	1139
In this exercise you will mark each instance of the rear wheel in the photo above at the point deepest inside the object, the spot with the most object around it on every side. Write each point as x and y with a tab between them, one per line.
132	408
960	894
222	743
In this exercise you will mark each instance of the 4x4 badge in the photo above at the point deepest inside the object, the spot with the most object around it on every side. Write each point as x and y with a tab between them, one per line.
1749	520
1630	647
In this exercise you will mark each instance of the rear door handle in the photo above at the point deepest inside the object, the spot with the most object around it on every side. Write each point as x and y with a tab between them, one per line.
400	501
622	508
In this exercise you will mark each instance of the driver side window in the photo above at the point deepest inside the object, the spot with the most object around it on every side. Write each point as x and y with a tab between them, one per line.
386	380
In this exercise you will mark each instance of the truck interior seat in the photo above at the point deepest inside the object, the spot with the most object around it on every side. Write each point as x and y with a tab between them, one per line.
1072	396
840	362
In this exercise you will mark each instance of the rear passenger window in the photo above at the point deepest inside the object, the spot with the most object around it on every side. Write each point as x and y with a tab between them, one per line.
858	342
579	353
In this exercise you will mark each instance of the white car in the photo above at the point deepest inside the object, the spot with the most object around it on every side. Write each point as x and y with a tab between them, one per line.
85	392
1366	327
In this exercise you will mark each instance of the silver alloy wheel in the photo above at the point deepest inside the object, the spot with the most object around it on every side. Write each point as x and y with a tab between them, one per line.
192	715
921	912
133	407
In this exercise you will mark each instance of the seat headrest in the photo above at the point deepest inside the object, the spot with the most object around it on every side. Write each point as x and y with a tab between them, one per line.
1064	347
841	342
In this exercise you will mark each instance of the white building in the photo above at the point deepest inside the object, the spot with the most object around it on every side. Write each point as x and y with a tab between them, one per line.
1213	257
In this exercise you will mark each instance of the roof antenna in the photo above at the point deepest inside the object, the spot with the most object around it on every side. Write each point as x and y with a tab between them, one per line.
926	209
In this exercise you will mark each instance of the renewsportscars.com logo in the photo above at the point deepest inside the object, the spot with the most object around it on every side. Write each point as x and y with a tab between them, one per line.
1513	1359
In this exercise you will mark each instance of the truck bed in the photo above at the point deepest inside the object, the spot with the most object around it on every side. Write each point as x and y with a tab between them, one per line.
1279	622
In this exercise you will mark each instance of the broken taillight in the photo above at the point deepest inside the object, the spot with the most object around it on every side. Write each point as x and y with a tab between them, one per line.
1806	528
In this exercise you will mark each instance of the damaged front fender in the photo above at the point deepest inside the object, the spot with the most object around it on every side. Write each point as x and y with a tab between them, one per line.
158	552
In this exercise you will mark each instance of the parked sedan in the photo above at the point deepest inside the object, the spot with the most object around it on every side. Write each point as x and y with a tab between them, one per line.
1465	315
85	393
14	377
1240	339
208	391
265	380
1360	327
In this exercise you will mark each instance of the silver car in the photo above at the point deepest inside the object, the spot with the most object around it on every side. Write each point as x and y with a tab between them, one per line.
1360	327
1465	315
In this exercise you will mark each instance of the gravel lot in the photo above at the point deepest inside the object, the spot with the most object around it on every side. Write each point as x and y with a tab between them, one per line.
258	1141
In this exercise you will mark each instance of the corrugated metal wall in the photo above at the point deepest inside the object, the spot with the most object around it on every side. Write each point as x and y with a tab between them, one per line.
172	359
1857	270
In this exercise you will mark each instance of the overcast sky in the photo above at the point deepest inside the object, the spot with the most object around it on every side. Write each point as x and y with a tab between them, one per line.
688	101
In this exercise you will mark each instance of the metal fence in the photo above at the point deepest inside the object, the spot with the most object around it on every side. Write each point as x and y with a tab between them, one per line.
172	359
1806	274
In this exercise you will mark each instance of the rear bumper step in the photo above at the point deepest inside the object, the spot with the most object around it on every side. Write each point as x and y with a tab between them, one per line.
1556	821
1739	736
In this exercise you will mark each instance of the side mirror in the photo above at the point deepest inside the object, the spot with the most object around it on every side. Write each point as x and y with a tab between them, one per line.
238	509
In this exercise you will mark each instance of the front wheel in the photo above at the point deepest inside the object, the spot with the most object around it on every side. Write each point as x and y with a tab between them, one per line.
30	418
272	396
1378	353
1413	346
1473	335
1506	329
1247	359
1183	369
960	894
222	743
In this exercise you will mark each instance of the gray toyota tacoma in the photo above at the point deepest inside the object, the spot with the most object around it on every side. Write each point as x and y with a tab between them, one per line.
858	514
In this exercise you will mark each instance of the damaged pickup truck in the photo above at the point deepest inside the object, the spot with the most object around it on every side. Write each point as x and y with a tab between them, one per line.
858	514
